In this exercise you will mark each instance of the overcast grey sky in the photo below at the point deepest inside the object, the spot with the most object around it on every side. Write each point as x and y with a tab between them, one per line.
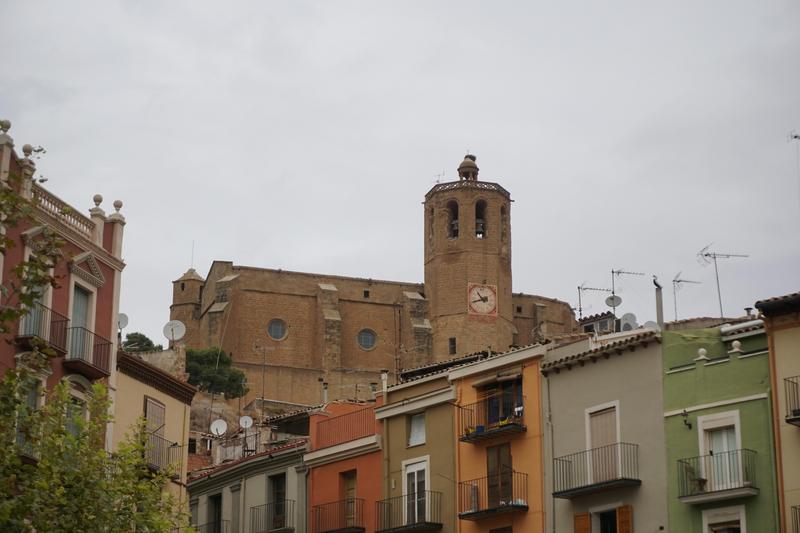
304	135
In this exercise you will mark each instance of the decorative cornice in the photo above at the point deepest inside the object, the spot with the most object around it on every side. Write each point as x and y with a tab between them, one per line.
155	377
346	450
94	275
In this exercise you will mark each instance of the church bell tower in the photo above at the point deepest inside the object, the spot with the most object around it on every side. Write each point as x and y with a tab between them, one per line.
468	264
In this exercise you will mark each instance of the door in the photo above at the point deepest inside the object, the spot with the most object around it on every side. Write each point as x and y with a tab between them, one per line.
603	437
722	463
349	490
500	475
416	496
80	342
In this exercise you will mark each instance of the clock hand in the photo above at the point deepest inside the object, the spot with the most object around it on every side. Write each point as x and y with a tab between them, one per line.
478	300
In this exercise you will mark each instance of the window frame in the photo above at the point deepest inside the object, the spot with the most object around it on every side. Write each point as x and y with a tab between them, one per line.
721	515
410	418
284	326
374	339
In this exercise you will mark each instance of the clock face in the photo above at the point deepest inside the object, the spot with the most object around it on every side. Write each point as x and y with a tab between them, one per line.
482	299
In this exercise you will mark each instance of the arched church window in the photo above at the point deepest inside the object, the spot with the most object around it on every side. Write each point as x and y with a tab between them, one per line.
452	219
503	224
480	219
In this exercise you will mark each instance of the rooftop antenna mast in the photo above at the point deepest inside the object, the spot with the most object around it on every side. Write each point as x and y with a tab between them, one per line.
676	286
613	299
582	287
794	136
706	257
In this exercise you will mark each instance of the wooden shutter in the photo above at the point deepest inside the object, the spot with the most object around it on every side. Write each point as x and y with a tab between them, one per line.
625	519
583	523
154	414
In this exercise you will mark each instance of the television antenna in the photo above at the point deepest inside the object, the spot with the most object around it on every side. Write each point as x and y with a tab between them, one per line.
794	136
705	257
613	301
581	288
676	286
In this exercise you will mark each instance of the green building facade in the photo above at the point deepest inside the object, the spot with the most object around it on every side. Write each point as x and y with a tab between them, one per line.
720	446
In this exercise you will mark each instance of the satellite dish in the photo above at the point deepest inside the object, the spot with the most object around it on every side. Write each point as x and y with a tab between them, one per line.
174	330
651	325
245	422
628	322
219	427
613	301
122	320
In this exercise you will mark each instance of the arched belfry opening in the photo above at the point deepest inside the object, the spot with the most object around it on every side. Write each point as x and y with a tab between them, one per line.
452	219
468	169
480	219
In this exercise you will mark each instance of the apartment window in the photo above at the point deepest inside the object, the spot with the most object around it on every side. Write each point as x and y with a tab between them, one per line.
277	496
366	293
192	445
500	474
236	494
519	309
416	429
602	437
414	488
614	520
504	401
215	513
452	345
348	489
724	520
154	414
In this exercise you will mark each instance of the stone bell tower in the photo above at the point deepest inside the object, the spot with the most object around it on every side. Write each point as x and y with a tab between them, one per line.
468	264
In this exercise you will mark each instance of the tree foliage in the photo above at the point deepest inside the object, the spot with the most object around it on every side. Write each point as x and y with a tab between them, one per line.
210	376
139	342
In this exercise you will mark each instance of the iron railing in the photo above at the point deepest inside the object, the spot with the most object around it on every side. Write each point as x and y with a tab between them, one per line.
792	389
161	453
717	472
416	508
498	413
89	347
796	519
596	468
220	526
272	516
45	324
347	427
335	516
492	493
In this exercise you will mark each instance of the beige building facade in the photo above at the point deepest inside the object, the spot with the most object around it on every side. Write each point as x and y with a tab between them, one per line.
295	334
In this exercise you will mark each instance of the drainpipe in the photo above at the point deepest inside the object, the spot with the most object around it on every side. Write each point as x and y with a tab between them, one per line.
659	304
549	424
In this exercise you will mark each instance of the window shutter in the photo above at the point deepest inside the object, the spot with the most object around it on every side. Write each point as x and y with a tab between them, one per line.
625	519
583	523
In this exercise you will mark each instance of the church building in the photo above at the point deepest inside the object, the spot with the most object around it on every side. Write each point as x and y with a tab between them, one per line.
305	338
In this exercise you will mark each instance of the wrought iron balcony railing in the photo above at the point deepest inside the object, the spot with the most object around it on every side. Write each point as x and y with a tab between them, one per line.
414	512
46	325
498	493
718	476
345	428
162	453
344	516
87	352
791	387
272	517
220	526
602	468
496	415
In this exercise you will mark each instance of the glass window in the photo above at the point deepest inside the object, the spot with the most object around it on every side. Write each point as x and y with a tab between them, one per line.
366	339
277	329
416	429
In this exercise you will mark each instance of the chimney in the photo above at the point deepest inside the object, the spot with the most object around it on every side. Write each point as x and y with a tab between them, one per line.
384	383
659	304
325	392
749	311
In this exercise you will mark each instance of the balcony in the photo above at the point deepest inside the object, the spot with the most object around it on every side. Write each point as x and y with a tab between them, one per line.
792	389
502	493
719	476
491	417
344	516
88	353
161	453
220	526
415	512
43	327
596	470
345	428
275	517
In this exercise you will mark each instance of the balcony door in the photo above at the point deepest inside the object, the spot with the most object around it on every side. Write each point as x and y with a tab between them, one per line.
416	505
500	475
603	458
349	491
722	468
80	339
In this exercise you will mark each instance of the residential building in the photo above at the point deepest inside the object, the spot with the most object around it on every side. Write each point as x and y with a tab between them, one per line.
164	401
78	318
344	465
717	415
782	320
419	455
605	466
499	449
289	331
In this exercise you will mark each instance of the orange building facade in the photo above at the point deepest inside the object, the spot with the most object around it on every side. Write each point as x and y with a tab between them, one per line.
499	443
344	468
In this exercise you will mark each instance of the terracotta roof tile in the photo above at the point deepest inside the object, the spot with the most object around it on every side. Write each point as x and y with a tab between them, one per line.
629	342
